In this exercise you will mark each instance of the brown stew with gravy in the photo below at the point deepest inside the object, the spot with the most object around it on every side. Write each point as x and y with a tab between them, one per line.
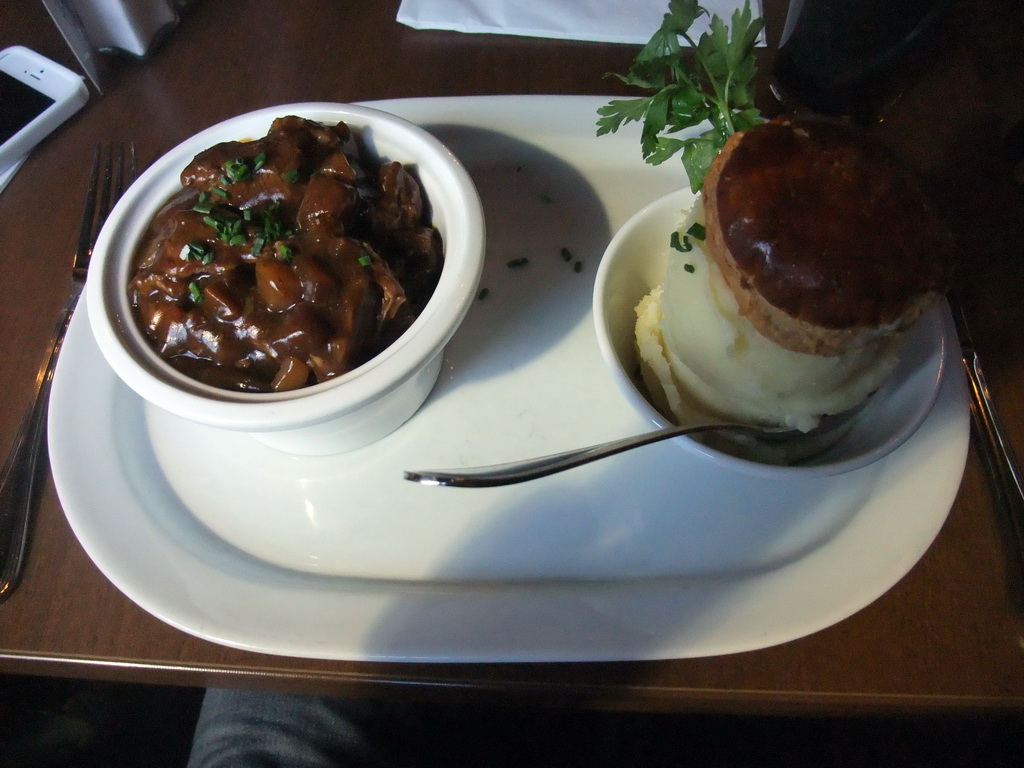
285	261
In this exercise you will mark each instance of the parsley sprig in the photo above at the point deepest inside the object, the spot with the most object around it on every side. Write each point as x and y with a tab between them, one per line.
717	87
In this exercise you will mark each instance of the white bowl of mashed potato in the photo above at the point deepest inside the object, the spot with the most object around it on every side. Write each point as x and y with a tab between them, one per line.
680	351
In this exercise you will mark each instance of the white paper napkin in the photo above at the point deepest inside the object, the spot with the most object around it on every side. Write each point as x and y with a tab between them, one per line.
608	21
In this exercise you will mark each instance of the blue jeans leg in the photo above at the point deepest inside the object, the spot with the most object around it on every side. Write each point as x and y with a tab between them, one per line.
250	729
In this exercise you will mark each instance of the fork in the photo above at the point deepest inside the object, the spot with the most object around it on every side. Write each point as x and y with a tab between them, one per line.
111	173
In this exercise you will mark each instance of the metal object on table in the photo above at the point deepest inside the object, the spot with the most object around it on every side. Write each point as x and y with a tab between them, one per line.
996	450
532	469
829	430
111	173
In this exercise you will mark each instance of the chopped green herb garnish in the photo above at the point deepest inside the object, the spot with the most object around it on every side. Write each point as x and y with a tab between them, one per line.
365	260
236	170
220	192
228	224
203	204
718	87
198	251
566	254
291	176
196	291
683	245
272	227
689	268
522	261
261	226
241	169
577	267
284	253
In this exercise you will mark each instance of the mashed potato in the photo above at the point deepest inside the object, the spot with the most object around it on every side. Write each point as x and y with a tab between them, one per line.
700	358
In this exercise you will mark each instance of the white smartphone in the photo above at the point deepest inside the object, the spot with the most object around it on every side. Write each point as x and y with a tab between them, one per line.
36	95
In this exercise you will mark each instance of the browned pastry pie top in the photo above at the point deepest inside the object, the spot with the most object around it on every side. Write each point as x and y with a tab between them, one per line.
825	225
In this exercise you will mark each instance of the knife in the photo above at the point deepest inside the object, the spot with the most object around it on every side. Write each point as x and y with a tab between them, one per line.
996	451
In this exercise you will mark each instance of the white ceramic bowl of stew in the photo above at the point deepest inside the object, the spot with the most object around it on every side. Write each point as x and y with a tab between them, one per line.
344	412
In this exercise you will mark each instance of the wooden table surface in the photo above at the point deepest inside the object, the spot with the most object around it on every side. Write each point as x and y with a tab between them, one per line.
948	636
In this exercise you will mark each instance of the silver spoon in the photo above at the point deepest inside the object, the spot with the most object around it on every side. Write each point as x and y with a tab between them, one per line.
531	469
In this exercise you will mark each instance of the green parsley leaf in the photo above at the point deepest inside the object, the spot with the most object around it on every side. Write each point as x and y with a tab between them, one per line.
716	87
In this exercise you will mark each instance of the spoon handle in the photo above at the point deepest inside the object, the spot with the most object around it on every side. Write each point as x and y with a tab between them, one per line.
531	469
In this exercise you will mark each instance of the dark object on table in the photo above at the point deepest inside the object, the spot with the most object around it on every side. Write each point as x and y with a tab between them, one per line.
839	57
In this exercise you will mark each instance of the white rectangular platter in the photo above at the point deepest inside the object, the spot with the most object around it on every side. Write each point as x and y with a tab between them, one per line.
650	554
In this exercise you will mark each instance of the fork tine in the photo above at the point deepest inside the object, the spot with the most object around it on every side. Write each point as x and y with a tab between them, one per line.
133	168
85	231
109	178
105	202
117	177
127	171
124	174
